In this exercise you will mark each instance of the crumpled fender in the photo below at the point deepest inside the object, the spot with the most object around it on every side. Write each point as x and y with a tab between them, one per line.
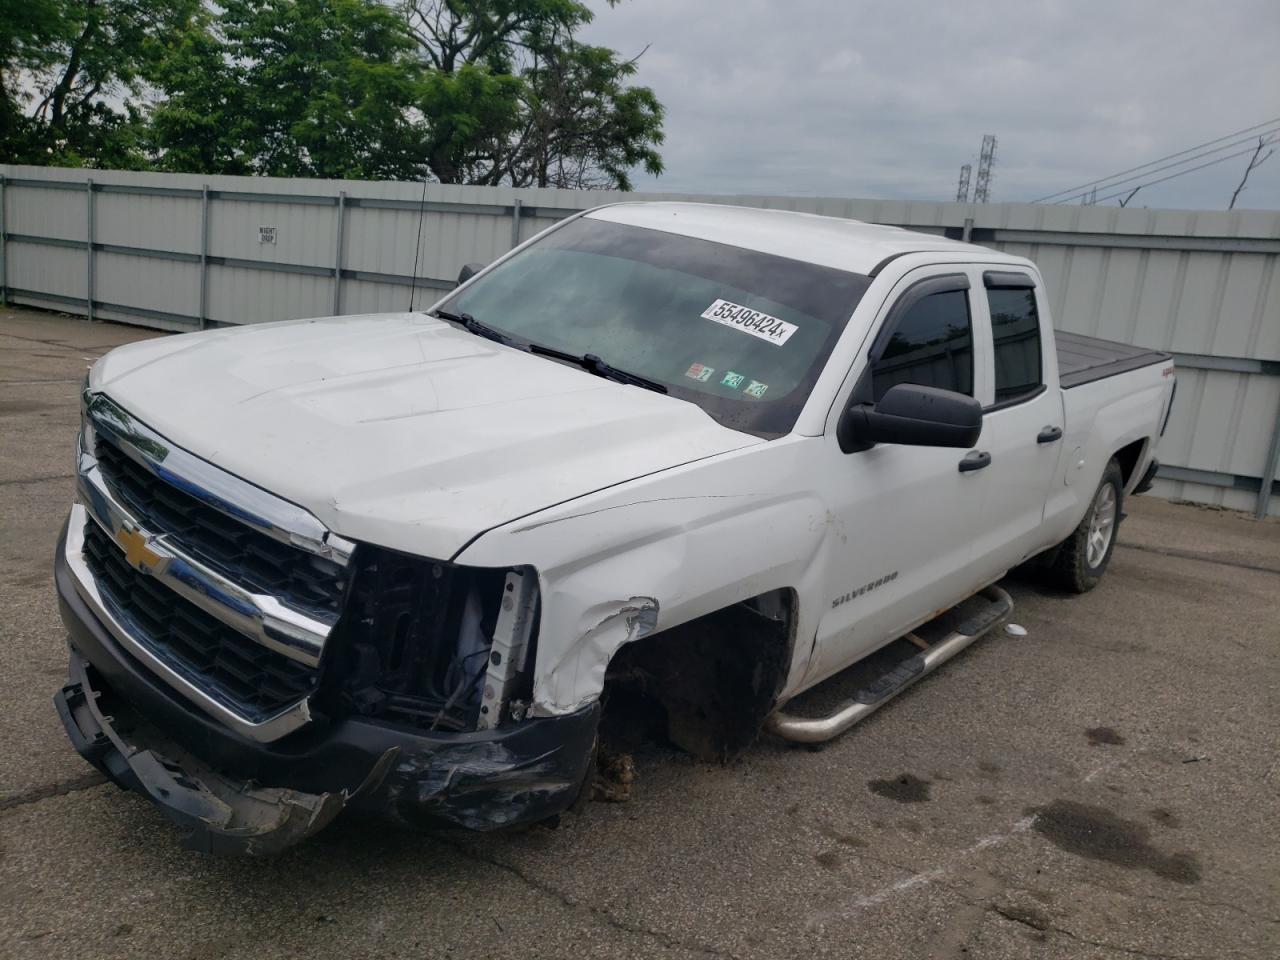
658	552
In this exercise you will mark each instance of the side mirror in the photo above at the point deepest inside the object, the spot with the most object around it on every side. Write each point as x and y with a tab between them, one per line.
469	271
914	415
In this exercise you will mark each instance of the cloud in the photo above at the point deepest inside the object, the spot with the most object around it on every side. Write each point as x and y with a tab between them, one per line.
888	99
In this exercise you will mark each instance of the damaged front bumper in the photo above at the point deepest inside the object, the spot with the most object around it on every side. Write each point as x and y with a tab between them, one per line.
232	795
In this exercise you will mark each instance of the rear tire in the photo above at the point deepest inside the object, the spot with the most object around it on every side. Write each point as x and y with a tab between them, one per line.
1083	557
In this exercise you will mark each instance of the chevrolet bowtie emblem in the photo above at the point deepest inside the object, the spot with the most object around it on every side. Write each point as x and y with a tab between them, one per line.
136	550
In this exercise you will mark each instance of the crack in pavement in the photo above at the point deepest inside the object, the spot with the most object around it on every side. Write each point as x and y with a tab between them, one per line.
1013	917
46	380
1200	557
58	345
60	789
1234	907
600	913
19	482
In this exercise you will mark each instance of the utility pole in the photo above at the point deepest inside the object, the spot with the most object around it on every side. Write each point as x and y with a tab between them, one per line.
986	160
962	191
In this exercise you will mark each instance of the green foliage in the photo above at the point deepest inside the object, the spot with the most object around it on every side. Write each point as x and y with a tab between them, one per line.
588	129
465	91
73	73
513	98
293	88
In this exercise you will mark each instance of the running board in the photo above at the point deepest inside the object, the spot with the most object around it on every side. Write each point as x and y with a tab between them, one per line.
893	681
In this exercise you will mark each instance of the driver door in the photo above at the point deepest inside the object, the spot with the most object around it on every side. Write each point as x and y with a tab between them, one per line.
907	515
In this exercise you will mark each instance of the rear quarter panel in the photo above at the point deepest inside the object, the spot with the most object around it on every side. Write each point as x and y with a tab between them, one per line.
1102	417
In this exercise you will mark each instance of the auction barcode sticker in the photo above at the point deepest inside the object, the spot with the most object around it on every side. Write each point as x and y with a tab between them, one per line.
746	320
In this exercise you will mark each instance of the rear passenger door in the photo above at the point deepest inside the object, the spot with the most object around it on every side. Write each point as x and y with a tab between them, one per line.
1022	418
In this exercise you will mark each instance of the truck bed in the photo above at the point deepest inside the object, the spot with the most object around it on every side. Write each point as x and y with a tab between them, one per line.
1084	359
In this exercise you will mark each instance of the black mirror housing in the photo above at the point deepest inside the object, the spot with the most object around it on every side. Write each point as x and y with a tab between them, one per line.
914	415
469	271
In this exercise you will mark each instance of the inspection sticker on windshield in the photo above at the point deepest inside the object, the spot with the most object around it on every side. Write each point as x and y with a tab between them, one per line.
750	321
700	372
755	389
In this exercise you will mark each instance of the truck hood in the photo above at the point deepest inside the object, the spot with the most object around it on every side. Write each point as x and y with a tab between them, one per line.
399	429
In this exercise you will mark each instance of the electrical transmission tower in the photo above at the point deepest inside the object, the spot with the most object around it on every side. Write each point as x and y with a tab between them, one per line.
962	191
986	160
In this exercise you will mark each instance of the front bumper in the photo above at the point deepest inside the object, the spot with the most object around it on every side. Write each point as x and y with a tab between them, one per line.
234	795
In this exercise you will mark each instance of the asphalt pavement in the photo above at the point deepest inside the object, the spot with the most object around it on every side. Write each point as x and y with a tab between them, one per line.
1103	787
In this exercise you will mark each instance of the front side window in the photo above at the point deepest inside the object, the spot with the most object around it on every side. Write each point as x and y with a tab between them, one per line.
1015	331
742	334
931	344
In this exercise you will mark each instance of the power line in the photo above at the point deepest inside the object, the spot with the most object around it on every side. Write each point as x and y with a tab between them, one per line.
1149	163
1151	183
1142	166
1168	166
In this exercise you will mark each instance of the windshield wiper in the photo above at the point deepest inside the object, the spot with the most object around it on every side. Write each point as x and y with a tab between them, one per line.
593	364
589	362
472	325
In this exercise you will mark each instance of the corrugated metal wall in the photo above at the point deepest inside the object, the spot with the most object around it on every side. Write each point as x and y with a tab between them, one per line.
180	251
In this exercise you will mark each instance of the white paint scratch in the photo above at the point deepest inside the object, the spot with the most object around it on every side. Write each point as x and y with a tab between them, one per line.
1098	770
919	880
925	878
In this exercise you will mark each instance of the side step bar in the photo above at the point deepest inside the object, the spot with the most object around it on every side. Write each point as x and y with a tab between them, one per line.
881	690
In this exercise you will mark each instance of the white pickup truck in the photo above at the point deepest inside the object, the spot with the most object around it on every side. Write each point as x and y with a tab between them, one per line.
673	457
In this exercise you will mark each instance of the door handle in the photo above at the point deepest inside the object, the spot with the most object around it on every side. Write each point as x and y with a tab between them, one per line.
976	460
1049	435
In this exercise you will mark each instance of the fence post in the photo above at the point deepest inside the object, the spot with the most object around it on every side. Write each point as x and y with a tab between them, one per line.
4	276
337	253
88	248
203	312
1269	472
515	224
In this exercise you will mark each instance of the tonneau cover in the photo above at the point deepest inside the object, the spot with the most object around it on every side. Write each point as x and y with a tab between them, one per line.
1084	359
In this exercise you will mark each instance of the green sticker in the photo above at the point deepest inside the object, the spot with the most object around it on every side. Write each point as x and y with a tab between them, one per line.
732	380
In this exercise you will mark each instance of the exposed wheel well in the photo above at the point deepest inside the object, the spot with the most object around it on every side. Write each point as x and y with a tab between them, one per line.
1128	457
707	685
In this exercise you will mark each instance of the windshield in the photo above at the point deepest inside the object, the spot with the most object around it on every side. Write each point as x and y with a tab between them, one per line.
742	334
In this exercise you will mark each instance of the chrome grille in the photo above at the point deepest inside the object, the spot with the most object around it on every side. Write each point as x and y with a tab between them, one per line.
226	592
241	674
254	560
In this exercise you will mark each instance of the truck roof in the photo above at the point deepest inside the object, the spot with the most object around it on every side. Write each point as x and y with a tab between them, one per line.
830	241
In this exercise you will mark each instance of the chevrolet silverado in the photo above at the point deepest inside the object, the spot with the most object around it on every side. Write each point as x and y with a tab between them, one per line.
700	456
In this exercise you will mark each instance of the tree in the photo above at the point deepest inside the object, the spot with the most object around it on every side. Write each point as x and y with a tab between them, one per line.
27	31
80	65
511	97
465	91
295	88
584	128
1255	161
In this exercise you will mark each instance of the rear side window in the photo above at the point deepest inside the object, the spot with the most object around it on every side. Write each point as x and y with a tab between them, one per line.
1015	330
931	344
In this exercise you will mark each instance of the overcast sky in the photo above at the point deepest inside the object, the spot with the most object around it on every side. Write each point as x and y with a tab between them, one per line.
888	99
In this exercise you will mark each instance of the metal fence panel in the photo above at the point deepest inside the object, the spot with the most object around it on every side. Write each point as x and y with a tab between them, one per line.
174	250
41	212
39	268
167	286
150	221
